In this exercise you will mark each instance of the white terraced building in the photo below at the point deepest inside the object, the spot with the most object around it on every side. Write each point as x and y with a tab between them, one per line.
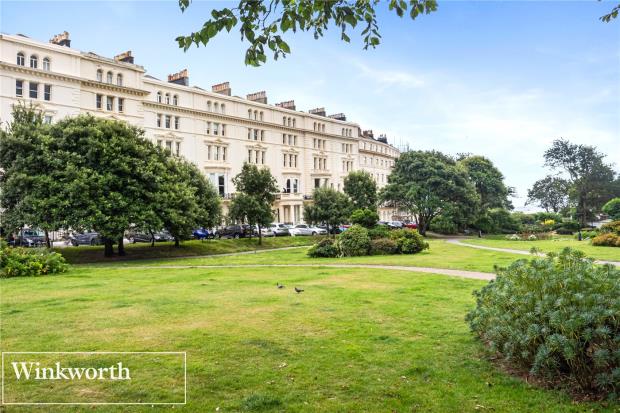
211	128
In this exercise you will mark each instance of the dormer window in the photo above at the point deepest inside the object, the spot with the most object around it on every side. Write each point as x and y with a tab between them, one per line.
34	61
21	59
46	64
119	80
99	75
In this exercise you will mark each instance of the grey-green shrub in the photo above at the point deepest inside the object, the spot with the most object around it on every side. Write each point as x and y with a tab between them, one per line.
558	317
379	231
27	262
325	248
354	241
383	246
408	241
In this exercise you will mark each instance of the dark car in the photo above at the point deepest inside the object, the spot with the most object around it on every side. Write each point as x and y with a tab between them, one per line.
332	230
29	238
160	236
86	238
235	231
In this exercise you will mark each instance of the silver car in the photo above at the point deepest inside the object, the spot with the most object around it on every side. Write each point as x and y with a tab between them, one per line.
303	229
279	230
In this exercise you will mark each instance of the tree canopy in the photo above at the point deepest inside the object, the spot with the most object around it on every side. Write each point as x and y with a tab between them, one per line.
263	24
550	193
362	189
329	207
488	180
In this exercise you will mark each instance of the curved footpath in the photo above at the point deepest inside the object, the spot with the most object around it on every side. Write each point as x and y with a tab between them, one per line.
457	241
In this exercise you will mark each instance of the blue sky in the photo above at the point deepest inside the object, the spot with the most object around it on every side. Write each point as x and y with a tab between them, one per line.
500	79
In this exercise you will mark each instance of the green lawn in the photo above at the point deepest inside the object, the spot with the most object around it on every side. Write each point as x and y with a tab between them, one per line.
88	254
355	340
555	245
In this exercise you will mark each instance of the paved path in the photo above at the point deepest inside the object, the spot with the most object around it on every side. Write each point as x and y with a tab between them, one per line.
457	241
453	273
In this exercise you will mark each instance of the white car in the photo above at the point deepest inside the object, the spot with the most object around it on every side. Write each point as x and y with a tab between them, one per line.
304	229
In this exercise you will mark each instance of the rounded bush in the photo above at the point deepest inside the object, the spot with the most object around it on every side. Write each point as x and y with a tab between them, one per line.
365	217
354	241
383	246
408	241
606	239
556	317
326	248
379	231
24	262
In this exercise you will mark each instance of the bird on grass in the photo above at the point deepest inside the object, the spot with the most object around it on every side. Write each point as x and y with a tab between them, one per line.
298	290
280	286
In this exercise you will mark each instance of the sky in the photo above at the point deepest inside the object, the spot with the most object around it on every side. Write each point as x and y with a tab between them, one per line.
498	79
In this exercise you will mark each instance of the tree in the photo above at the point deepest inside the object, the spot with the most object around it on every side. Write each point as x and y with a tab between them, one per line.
591	180
612	208
329	207
611	15
428	183
263	24
550	193
365	217
256	189
489	182
362	190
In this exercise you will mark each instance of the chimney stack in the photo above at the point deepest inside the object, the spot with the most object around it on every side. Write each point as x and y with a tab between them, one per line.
338	116
222	88
61	39
260	97
317	111
124	57
382	138
290	104
180	78
368	134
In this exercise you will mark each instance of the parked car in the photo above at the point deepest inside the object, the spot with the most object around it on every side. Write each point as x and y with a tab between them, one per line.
264	231
332	230
235	231
28	238
86	238
204	233
279	230
410	225
395	224
304	229
160	236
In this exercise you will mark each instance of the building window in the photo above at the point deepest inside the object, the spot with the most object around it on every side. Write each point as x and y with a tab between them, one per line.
46	64
158	97
262	135
167	98
21	60
177	122
224	153
175	100
209	106
178	148
99	75
220	184
47	119
223	109
223	130
34	90
98	101
216	107
293	122
47	92
109	77
168	121
19	88
255	134
119	80
249	113
295	186
121	104
216	128
284	120
34	61
261	116
159	120
208	128
169	146
109	103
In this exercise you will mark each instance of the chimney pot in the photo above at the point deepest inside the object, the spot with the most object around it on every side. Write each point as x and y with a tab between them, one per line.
222	88
260	97
289	104
125	57
61	39
179	78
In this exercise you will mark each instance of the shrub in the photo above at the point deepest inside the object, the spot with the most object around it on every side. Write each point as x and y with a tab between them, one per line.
408	241
365	217
606	239
556	317
325	248
354	241
383	246
612	227
443	225
612	208
498	220
587	234
379	231
24	262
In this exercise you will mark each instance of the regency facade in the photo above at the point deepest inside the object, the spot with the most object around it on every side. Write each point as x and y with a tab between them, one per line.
212	128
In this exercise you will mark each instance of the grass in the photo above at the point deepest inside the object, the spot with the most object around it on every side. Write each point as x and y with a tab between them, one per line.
138	251
554	245
356	340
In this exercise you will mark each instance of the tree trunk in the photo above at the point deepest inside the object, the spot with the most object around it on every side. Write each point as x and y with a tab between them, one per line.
260	236
48	243
121	247
177	242
152	238
109	247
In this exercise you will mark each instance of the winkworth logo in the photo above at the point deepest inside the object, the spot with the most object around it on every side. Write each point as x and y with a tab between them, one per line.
94	378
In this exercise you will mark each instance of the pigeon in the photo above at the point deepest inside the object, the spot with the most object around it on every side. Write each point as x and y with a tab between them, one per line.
279	285
298	290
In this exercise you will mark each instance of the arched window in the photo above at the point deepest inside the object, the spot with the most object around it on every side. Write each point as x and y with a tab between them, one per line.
284	120
209	105
109	77
158	97
119	80
216	107
289	121
167	98
323	128
223	109
34	61
249	113
175	100
293	122
261	116
47	64
99	75
21	60
255	115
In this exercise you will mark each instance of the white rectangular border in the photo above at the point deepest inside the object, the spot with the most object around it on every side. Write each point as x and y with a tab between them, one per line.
97	352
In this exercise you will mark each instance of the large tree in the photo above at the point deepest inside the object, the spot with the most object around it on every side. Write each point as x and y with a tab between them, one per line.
550	193
256	189
263	24
329	207
489	182
591	179
428	183
362	190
